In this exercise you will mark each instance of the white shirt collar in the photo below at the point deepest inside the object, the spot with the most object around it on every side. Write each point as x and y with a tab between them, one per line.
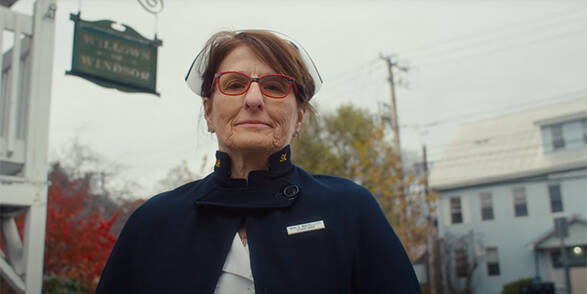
238	261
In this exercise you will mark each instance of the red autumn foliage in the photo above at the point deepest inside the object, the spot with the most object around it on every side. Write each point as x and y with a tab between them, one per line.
77	241
78	237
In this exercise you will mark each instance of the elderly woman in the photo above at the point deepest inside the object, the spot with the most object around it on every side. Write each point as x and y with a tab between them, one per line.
258	223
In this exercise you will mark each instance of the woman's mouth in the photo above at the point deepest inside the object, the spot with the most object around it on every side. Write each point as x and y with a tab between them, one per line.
253	124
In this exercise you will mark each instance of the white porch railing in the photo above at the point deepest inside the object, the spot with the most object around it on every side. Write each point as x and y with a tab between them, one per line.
25	93
13	90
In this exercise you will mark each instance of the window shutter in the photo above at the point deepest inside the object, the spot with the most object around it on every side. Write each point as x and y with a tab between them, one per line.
446	211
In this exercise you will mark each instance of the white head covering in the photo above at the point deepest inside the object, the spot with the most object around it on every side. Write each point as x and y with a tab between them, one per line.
194	75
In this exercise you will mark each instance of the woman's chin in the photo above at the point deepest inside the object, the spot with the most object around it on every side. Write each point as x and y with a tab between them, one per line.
256	141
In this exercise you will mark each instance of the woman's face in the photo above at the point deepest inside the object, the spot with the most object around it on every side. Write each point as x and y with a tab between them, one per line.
251	121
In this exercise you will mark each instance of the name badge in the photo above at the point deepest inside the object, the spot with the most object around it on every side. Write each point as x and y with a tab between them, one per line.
307	227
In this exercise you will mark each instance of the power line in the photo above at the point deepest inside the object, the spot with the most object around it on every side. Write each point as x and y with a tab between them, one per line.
503	153
348	75
575	95
514	46
352	76
465	145
482	33
515	36
438	150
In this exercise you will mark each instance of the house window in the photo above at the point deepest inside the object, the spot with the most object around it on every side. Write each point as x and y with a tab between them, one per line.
556	200
486	206
520	205
571	134
456	211
460	262
492	260
558	139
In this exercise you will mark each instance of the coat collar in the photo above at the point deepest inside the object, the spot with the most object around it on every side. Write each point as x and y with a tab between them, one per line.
279	163
277	187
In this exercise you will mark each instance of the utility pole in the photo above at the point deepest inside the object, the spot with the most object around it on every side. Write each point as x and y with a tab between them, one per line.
431	237
395	128
425	169
562	231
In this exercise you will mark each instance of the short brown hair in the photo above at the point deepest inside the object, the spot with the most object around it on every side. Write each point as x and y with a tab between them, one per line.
279	54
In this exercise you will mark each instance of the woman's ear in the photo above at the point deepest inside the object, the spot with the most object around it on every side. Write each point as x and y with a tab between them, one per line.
300	119
208	114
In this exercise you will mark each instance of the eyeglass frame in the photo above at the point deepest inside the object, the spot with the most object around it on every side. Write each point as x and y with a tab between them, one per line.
251	80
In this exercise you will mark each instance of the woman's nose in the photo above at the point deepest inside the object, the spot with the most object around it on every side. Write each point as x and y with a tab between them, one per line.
254	98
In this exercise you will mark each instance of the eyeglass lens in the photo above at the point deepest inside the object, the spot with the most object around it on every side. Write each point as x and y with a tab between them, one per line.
274	86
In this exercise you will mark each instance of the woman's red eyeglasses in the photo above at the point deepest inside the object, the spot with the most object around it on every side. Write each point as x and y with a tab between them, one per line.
234	83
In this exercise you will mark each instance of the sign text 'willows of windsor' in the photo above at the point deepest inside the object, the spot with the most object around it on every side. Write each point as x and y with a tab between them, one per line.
124	60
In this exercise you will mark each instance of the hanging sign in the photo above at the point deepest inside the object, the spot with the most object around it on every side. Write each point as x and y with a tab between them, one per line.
121	59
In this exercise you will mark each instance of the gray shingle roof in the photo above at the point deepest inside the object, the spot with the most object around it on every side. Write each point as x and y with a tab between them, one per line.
506	147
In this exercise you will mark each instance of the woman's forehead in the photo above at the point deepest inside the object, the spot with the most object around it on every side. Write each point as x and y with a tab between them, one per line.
244	60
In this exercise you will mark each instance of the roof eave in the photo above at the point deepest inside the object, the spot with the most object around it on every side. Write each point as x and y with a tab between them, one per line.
533	245
509	177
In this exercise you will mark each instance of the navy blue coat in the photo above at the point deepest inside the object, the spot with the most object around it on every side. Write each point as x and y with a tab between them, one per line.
177	241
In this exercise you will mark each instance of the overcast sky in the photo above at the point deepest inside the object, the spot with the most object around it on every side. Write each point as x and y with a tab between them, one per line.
468	60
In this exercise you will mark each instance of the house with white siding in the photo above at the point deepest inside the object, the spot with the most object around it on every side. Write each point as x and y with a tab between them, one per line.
502	181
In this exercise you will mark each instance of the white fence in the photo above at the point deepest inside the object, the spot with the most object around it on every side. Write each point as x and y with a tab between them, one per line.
25	93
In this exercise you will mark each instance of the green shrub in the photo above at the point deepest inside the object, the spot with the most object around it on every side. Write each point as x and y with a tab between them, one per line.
53	284
514	287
